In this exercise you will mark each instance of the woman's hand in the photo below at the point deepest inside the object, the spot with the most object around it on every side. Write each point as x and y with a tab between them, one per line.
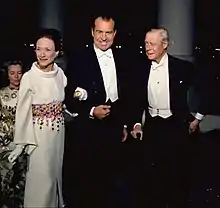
16	153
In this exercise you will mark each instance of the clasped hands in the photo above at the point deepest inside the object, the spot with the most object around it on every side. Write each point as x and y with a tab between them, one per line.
136	133
16	153
101	111
194	125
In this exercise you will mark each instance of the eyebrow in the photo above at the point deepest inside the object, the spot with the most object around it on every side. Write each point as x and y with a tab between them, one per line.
47	47
108	31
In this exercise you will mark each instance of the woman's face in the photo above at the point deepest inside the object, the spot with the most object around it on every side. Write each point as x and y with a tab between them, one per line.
14	75
45	52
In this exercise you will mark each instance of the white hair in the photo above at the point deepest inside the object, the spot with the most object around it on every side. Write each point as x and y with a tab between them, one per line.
163	33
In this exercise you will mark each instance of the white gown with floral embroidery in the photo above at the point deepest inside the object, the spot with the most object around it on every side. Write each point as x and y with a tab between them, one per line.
39	124
11	187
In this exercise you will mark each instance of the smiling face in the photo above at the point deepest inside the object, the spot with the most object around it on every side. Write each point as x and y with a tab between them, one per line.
103	33
155	45
45	52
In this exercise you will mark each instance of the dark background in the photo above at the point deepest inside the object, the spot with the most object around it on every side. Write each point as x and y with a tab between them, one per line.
19	21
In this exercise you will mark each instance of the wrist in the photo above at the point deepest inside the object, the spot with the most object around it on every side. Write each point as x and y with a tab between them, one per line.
20	146
91	113
197	120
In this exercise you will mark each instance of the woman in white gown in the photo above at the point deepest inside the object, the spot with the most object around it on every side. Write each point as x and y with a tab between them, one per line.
39	124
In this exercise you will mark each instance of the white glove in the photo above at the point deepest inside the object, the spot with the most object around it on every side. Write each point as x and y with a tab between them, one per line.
15	153
68	112
80	94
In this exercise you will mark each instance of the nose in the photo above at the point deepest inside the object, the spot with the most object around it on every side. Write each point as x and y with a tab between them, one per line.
148	48
42	54
16	75
104	36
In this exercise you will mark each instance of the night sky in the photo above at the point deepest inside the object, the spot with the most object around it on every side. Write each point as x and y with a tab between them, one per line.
207	16
19	21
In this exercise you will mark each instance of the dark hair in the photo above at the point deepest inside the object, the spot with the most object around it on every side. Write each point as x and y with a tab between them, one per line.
106	17
12	62
52	34
5	68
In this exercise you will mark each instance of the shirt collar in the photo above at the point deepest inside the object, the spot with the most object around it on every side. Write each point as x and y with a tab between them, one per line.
101	53
162	62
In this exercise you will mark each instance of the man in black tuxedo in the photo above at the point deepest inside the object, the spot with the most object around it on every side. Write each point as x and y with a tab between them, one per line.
98	72
161	91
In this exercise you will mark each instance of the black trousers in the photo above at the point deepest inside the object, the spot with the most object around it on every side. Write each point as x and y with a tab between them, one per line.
165	170
92	171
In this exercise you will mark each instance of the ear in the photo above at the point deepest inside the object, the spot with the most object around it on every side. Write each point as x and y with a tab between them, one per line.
92	32
57	53
165	44
115	32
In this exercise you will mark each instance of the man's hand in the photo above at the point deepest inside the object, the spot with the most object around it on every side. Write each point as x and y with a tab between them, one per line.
101	111
125	134
137	132
193	126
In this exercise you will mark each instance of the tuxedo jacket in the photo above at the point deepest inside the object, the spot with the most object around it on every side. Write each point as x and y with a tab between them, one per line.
181	76
83	71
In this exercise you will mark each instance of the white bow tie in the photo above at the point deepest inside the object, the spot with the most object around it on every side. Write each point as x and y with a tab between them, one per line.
107	53
154	65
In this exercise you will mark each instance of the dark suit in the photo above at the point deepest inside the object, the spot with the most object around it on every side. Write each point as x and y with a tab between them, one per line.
96	144
165	145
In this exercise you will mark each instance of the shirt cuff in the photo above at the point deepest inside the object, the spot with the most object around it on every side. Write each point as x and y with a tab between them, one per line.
199	116
137	124
91	112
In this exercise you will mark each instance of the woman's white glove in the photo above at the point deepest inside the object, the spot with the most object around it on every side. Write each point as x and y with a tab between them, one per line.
16	153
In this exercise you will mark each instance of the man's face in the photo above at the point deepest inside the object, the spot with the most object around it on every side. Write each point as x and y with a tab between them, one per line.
155	46
103	33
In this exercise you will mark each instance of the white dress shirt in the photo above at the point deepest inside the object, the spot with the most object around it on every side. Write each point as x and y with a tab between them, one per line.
159	92
107	65
108	69
158	89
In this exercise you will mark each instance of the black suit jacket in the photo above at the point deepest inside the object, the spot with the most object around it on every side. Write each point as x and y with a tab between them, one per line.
181	76
83	71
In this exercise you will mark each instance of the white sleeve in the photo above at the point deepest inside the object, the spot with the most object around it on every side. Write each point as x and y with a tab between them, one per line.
24	129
